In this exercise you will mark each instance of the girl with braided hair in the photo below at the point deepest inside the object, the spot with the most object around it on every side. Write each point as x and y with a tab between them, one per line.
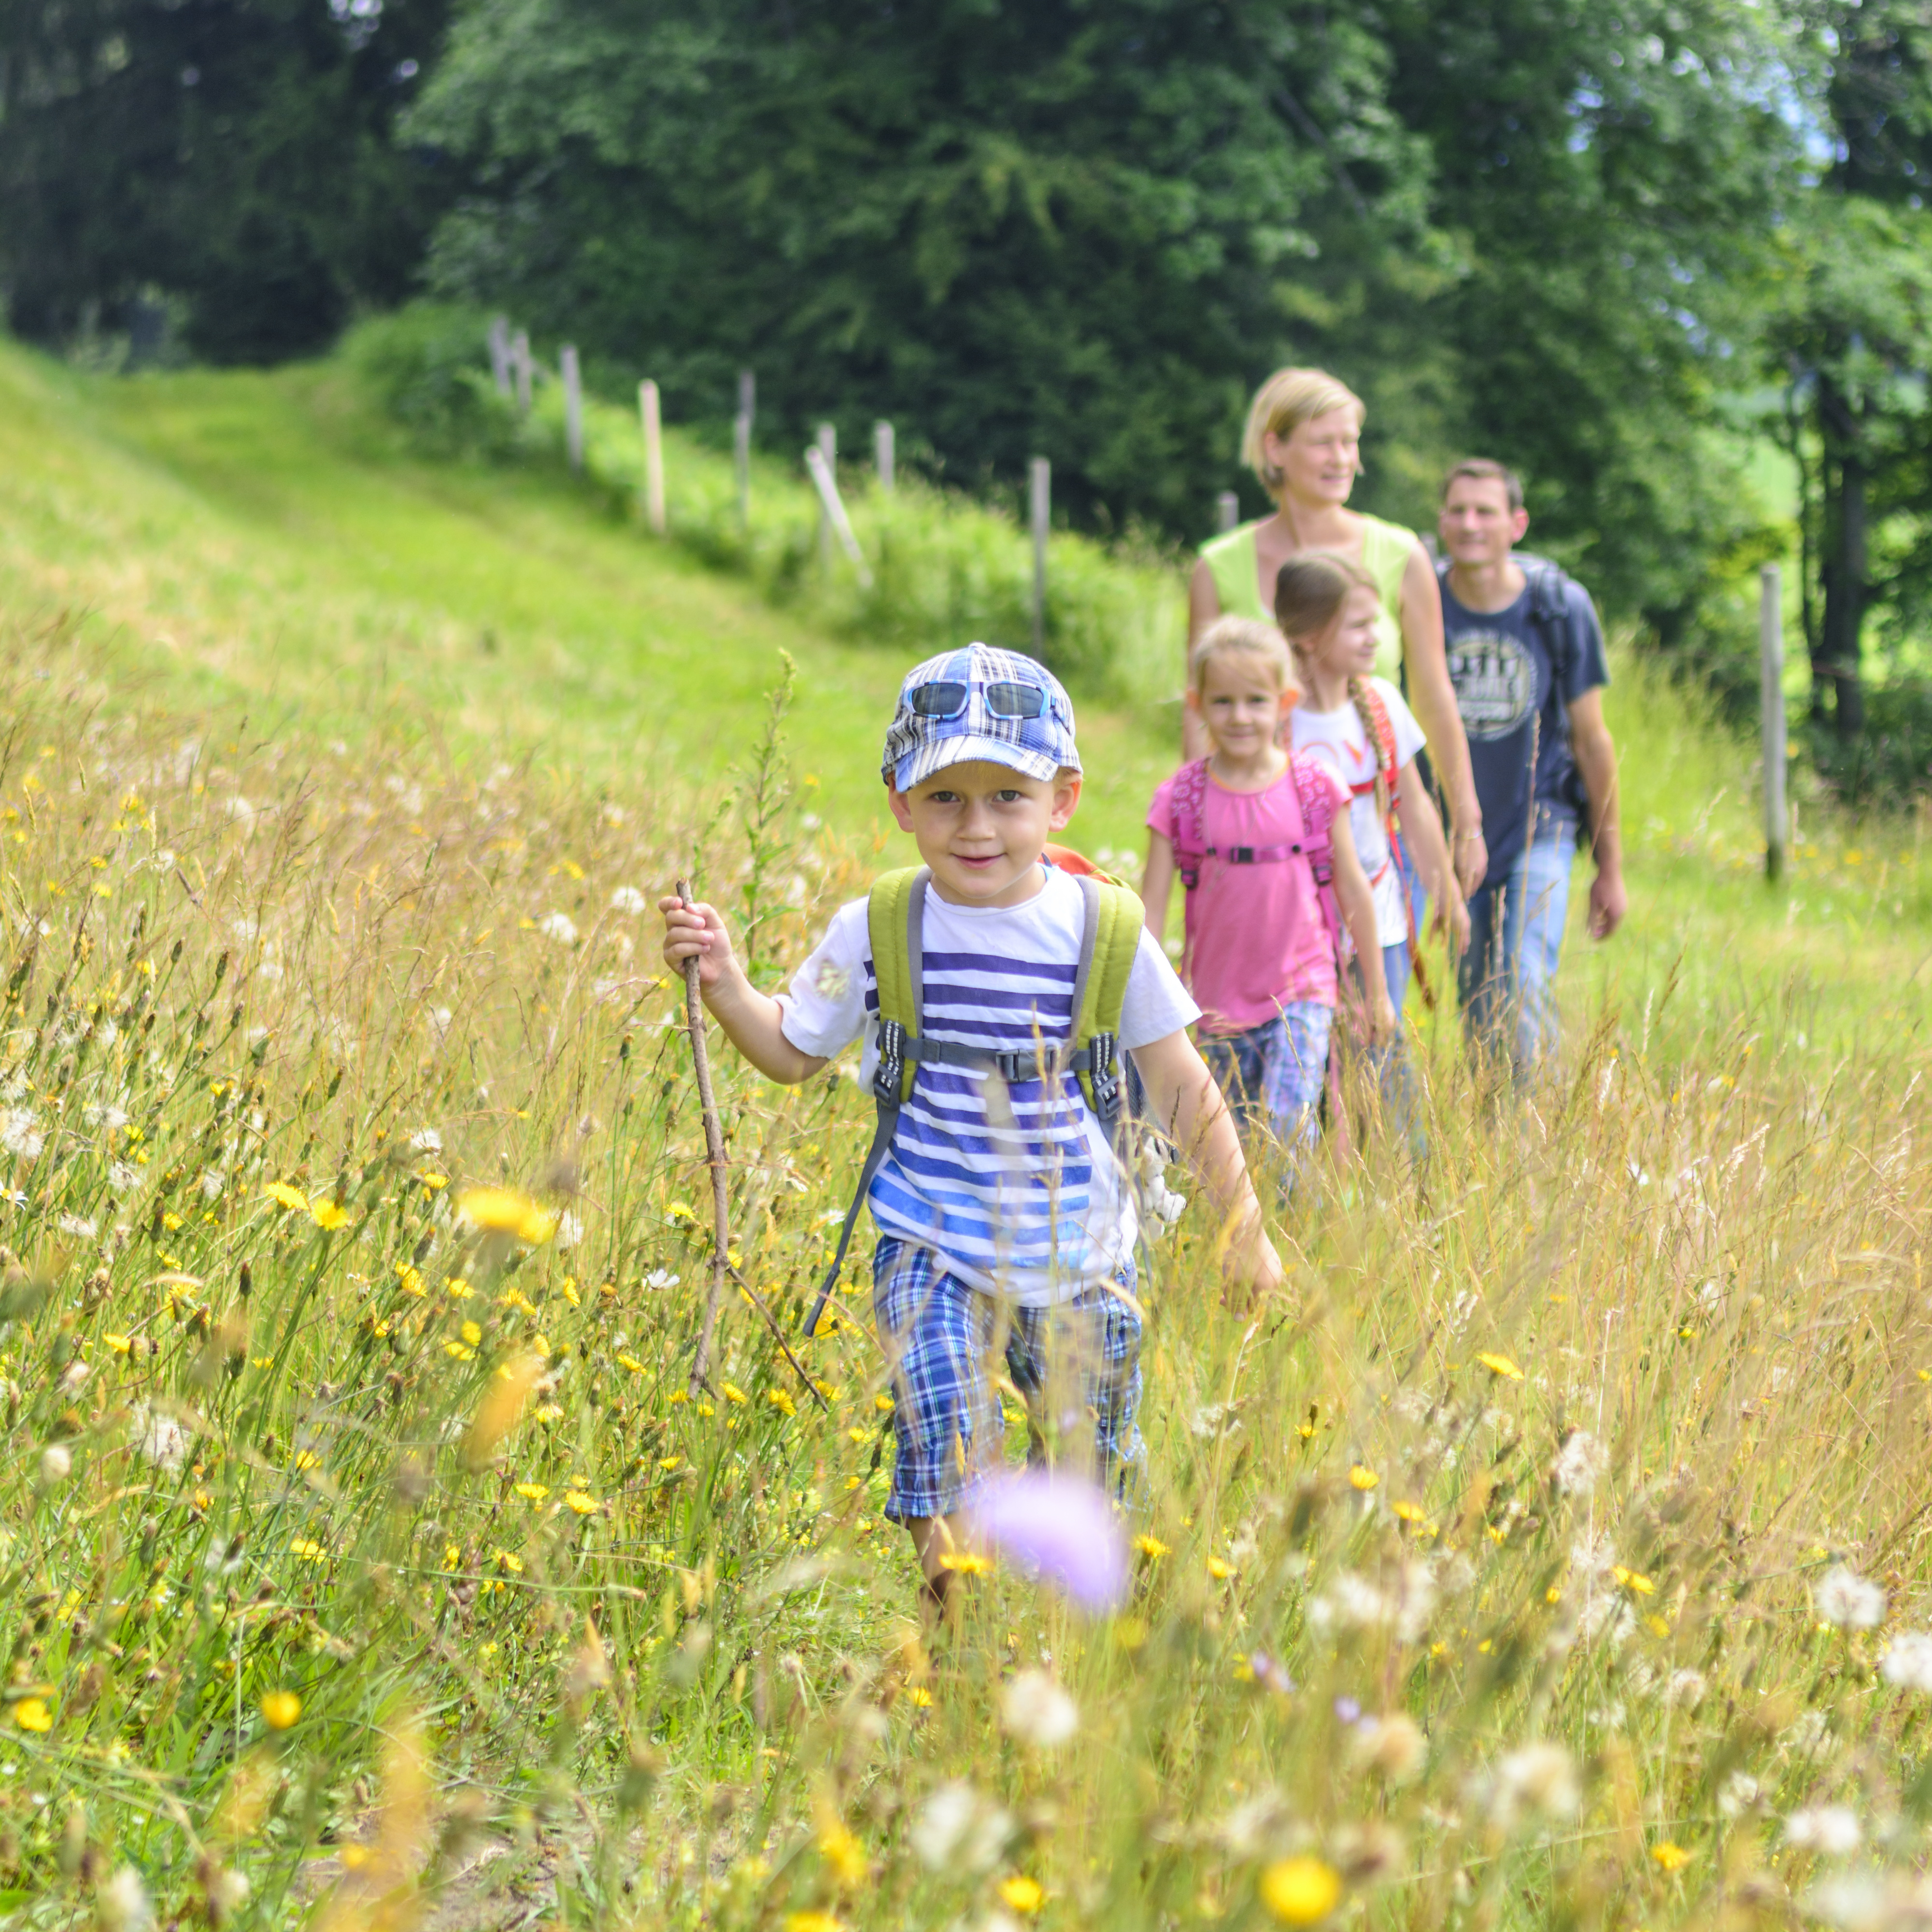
1328	607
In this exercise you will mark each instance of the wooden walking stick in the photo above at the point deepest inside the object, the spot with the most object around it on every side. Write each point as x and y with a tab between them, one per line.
714	1148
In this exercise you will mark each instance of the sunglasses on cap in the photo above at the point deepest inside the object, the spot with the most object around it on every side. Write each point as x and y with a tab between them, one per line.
947	700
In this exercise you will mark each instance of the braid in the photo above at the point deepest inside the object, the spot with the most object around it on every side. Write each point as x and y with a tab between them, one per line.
1358	696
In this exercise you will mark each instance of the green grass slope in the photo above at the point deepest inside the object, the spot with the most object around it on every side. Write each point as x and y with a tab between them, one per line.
265	542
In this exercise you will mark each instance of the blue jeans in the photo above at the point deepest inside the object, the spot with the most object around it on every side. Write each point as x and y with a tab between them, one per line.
1275	1071
1507	979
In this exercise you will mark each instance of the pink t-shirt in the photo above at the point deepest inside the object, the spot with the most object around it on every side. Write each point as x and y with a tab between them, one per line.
1256	937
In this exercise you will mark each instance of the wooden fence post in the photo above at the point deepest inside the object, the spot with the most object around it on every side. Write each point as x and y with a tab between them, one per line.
828	455
741	444
500	353
1041	480
1227	510
654	496
520	357
1770	694
831	510
573	406
883	461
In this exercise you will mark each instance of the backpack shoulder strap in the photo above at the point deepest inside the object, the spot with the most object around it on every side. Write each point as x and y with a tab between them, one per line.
1189	799
1318	816
894	920
1109	943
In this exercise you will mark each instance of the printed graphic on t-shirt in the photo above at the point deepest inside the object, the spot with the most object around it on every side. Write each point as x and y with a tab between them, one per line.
1494	678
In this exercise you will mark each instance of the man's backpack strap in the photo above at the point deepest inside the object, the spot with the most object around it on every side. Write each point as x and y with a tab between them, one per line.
1109	943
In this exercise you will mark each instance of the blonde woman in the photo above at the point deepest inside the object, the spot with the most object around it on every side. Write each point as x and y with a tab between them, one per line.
1303	441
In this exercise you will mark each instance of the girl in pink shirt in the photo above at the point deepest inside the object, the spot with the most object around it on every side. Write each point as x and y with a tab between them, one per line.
1242	827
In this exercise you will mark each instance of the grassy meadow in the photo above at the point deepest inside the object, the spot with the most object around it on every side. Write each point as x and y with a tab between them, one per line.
1554	1553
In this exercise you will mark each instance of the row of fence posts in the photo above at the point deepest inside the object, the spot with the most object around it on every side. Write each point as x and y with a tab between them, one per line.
513	370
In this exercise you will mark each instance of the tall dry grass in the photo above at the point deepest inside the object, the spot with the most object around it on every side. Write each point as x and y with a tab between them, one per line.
1552	1555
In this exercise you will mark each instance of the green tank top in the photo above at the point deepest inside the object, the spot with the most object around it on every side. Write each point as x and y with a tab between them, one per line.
1386	550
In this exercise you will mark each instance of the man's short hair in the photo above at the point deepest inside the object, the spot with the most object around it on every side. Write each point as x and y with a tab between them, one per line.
1483	470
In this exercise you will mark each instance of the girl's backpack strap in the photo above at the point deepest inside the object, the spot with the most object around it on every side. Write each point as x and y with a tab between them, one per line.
1189	799
1318	817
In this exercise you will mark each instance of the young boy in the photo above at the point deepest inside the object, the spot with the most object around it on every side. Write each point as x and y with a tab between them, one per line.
998	1206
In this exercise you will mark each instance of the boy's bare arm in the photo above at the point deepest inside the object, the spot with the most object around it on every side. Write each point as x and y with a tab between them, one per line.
1157	882
753	1021
1358	914
1596	757
1183	1100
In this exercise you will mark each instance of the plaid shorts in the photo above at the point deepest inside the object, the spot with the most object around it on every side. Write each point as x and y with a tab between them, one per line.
1077	1363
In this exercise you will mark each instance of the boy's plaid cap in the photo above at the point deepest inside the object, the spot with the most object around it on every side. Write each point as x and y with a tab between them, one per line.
974	703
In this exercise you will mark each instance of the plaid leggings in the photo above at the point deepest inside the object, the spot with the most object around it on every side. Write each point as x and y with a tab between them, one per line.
1077	1363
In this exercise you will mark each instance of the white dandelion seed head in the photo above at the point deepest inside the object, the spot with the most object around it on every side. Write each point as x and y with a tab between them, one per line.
628	900
20	1134
1580	1463
1857	1902
122	1905
1806	1732
1684	1688
1537	1779
426	1140
158	1439
56	1465
80	1226
124	1177
213	1183
1737	1794
569	1230
1908	1663
1037	1712
1852	1602
961	1827
558	926
1831	1830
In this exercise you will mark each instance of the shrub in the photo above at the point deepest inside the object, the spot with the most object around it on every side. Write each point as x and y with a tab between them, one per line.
428	367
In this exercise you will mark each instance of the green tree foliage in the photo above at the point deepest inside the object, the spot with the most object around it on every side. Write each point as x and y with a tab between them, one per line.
235	154
1851	335
1047	228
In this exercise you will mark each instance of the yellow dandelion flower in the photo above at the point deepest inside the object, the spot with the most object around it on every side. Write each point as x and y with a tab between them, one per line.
308	1550
679	1395
1501	1365
1301	1891
965	1562
457	1352
705	1408
173	1221
884	1404
457	1288
1219	1568
292	1198
919	1697
843	1855
670	1462
1023	1894
1151	1547
681	1213
31	1714
508	1559
568	1292
120	1344
327	1215
534	1492
1632	1580
1407	1512
409	1281
279	1709
307	1459
471	1333
1362	1477
1671	1857
503	1210
780	1400
812	1922
631	1362
734	1393
433	1181
583	1504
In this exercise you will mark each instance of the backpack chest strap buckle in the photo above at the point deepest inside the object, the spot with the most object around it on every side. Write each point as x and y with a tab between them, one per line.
888	1077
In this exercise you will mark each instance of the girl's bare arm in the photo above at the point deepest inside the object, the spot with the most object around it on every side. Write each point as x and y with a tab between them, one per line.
1433	697
1358	914
1157	882
1422	827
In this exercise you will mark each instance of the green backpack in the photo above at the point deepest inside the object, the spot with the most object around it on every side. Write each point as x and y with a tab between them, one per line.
894	917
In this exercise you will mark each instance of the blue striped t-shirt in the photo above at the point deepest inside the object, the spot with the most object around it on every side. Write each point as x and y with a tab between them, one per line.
1018	1193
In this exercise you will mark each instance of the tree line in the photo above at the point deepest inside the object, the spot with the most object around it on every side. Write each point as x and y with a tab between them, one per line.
1627	247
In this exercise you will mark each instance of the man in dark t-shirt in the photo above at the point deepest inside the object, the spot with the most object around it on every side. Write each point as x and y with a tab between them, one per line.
1526	659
